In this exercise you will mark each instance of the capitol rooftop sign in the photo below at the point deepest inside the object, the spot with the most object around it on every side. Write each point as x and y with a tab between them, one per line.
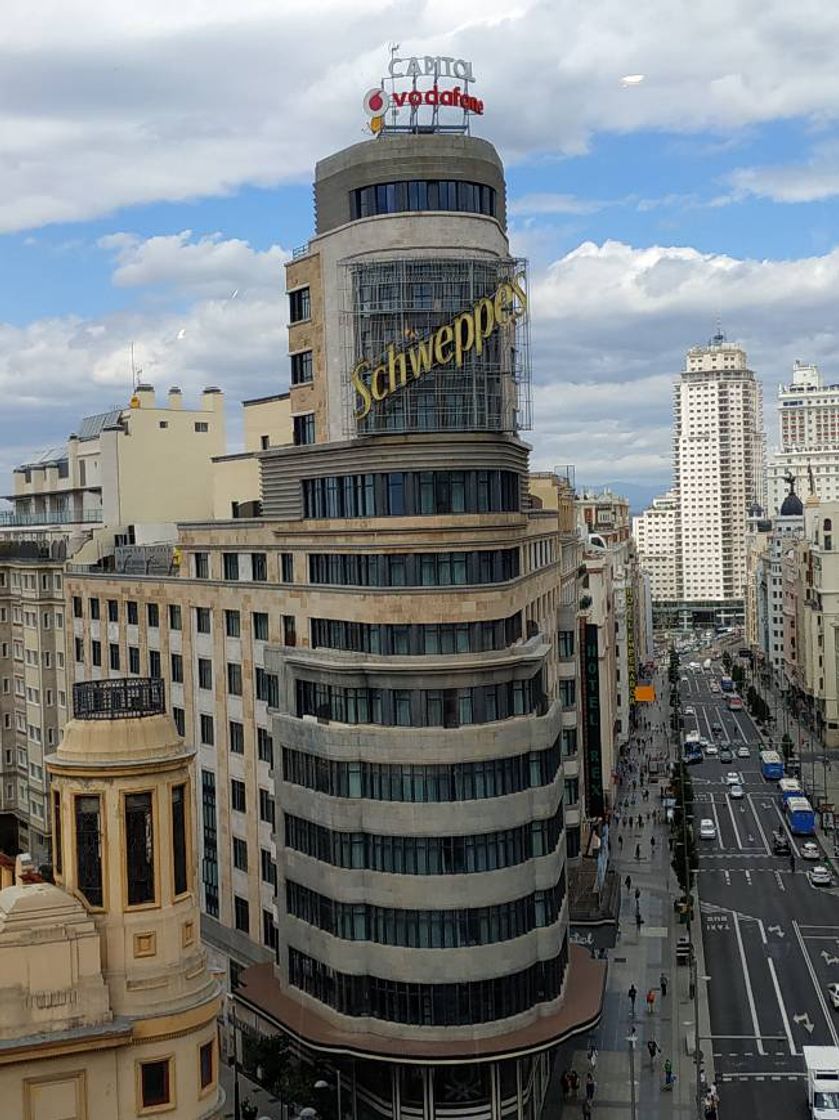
436	95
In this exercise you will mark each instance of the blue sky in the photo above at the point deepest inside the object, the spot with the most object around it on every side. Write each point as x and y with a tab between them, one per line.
158	160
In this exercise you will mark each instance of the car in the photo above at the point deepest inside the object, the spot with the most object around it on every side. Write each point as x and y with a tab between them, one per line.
819	876
833	995
684	680
780	843
732	778
809	850
726	755
714	687
736	792
716	728
743	752
689	711
708	830
711	751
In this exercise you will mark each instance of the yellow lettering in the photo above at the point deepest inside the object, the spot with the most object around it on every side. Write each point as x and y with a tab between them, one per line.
361	389
484	322
503	296
420	358
443	337
378	390
394	360
464	340
519	290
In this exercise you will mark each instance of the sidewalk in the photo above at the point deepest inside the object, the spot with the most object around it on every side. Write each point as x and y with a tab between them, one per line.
640	958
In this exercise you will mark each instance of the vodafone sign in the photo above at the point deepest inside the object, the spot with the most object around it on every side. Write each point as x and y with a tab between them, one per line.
379	101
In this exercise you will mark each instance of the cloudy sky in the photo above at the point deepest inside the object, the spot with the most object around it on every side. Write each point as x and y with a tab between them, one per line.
156	159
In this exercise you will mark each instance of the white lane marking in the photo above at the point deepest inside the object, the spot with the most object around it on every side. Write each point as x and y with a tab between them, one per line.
759	825
781	1005
785	828
717	823
779	881
747	980
748	878
827	1017
727	875
734	824
762	931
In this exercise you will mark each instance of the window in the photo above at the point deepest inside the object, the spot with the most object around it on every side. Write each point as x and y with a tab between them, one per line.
264	746
269	930
304	429
264	444
566	643
154	1083
240	854
267	867
230	565
267	809
201	426
174	616
94	609
299	305
209	864
236	737
77	606
153	615
301	368
259	567
177	668
113	610
289	632
234	678
242	914
57	850
131	612
267	688
96	652
113	656
287	567
89	847
411	493
206	1064
205	673
208	736
260	626
201	565
179	716
422	194
233	624
154	663
139	848
179	872
237	795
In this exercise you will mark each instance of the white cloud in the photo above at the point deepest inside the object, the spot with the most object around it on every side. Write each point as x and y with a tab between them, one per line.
811	181
103	106
553	204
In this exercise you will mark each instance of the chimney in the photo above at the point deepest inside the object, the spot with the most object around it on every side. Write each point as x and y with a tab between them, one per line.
145	396
175	398
212	399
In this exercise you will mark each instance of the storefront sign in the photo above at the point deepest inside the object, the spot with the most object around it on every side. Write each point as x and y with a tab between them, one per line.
591	725
448	344
630	642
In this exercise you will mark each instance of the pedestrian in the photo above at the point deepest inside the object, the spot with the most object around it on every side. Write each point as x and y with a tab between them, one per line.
652	1050
592	1057
638	852
650	1001
586	1113
663	985
633	992
792	862
628	883
565	1082
637	894
639	921
652	845
668	1072
575	1083
620	844
591	1086
640	821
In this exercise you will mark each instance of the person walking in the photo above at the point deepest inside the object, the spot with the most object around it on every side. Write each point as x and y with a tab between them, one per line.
591	1086
652	845
592	1057
650	1001
638	852
662	983
632	993
628	883
637	895
620	844
792	862
586	1112
652	1049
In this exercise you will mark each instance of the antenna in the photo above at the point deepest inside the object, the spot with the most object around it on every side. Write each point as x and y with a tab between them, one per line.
134	370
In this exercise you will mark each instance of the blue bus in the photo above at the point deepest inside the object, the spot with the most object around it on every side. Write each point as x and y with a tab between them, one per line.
800	816
771	765
692	751
726	684
787	788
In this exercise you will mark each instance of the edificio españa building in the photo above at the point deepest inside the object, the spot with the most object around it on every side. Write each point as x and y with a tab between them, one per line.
380	671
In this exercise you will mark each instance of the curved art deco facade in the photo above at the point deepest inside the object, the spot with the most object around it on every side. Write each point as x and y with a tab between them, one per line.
418	722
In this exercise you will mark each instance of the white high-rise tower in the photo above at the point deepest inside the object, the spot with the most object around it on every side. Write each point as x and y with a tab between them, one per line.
808	435
718	464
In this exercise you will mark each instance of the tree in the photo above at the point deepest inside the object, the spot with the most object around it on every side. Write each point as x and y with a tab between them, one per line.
684	860
726	661
786	747
738	674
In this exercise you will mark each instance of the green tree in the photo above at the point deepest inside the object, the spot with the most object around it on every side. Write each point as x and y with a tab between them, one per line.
684	861
786	747
726	661
738	674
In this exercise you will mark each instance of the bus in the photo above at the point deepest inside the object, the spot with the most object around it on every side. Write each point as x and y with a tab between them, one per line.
789	787
771	765
800	816
733	702
692	751
726	684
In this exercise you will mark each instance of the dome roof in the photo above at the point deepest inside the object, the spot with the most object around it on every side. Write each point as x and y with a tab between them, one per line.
792	506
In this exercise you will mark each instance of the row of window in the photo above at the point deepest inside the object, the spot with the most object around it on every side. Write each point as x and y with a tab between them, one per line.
139	829
425	855
382	781
444	1005
405	707
427	929
414	569
417	639
157	1077
422	194
410	493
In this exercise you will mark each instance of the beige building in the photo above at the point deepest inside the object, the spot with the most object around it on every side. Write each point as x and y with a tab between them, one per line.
655	536
236	478
108	1007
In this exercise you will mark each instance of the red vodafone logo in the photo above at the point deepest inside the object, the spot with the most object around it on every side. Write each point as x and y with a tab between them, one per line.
376	102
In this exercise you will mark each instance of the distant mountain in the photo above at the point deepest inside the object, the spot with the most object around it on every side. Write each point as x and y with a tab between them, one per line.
640	494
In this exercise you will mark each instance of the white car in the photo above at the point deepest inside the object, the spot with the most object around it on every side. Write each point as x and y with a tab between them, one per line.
833	995
736	792
689	711
743	752
711	751
732	779
819	876
708	830
809	850
714	687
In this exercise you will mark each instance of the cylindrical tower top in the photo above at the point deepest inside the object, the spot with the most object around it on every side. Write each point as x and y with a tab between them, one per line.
413	172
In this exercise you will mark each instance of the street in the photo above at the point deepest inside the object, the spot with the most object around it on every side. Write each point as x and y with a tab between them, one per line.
771	939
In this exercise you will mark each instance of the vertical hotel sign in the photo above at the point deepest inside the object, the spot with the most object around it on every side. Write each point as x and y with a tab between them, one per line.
631	663
591	698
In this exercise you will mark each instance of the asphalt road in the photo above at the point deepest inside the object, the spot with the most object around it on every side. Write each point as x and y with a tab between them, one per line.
771	939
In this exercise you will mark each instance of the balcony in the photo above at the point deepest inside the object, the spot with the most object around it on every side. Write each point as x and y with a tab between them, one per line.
57	517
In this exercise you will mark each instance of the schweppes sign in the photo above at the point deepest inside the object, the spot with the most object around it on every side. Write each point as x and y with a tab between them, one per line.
448	344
